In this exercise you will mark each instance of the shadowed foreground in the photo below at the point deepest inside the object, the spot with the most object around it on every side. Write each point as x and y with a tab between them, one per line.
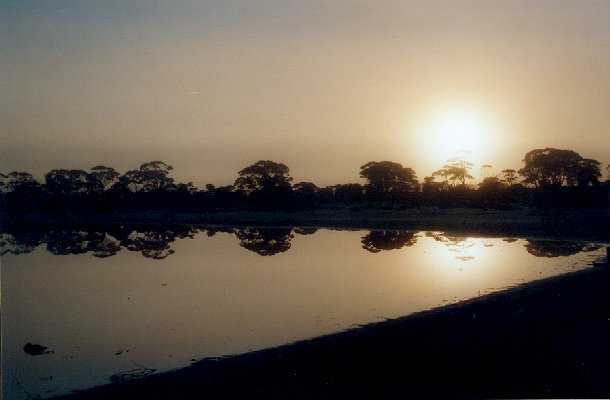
546	339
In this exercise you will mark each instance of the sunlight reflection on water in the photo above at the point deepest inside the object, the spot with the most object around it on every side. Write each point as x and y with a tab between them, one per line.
125	303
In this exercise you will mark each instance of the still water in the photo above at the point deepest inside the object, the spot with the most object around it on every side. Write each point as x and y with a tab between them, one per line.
84	308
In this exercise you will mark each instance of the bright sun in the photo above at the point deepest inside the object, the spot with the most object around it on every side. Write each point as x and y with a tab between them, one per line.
458	132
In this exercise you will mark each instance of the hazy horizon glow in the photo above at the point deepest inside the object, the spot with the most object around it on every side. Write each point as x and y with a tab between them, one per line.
324	87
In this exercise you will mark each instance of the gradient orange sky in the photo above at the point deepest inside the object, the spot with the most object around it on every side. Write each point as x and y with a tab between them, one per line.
322	86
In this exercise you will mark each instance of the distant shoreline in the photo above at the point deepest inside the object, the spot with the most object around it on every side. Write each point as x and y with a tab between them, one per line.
521	222
548	338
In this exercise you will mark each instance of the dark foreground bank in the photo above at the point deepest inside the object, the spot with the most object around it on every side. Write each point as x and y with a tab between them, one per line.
546	339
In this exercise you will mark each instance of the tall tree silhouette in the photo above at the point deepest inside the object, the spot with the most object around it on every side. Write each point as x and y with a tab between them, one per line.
348	192
264	175
67	182
389	177
588	172
553	167
455	171
149	177
305	194
490	184
486	171
509	177
267	184
18	181
101	178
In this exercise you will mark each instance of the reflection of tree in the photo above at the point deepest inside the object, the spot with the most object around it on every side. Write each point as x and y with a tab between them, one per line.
265	241
152	243
376	241
305	231
67	242
19	242
554	248
155	243
100	244
214	230
455	244
104	245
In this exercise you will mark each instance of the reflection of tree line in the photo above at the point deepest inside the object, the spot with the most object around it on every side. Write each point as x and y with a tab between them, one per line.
152	243
155	242
557	248
455	244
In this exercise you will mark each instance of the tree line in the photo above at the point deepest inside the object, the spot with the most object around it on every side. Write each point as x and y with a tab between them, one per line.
549	177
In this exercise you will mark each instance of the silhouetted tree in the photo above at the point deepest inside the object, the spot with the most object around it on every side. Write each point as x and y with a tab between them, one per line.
149	177
486	171
183	188
588	172
509	177
18	182
67	182
266	183
264	176
544	167
348	192
101	178
20	192
389	177
265	241
305	194
305	188
376	241
490	184
430	186
455	171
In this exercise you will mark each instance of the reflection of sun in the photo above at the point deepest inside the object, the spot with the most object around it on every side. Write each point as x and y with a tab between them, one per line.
456	253
457	132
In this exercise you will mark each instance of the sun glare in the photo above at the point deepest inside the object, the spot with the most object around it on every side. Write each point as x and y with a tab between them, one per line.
458	132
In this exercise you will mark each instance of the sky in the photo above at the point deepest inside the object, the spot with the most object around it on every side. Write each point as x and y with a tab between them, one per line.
321	86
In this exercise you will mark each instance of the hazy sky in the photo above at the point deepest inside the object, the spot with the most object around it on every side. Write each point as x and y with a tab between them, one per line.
322	86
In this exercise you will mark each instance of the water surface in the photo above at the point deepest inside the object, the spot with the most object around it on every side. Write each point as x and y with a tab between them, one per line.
120	302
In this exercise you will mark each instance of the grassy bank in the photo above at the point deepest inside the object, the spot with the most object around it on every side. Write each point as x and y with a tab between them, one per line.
550	338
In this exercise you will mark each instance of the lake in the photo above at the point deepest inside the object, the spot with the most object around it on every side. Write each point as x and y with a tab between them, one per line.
82	308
